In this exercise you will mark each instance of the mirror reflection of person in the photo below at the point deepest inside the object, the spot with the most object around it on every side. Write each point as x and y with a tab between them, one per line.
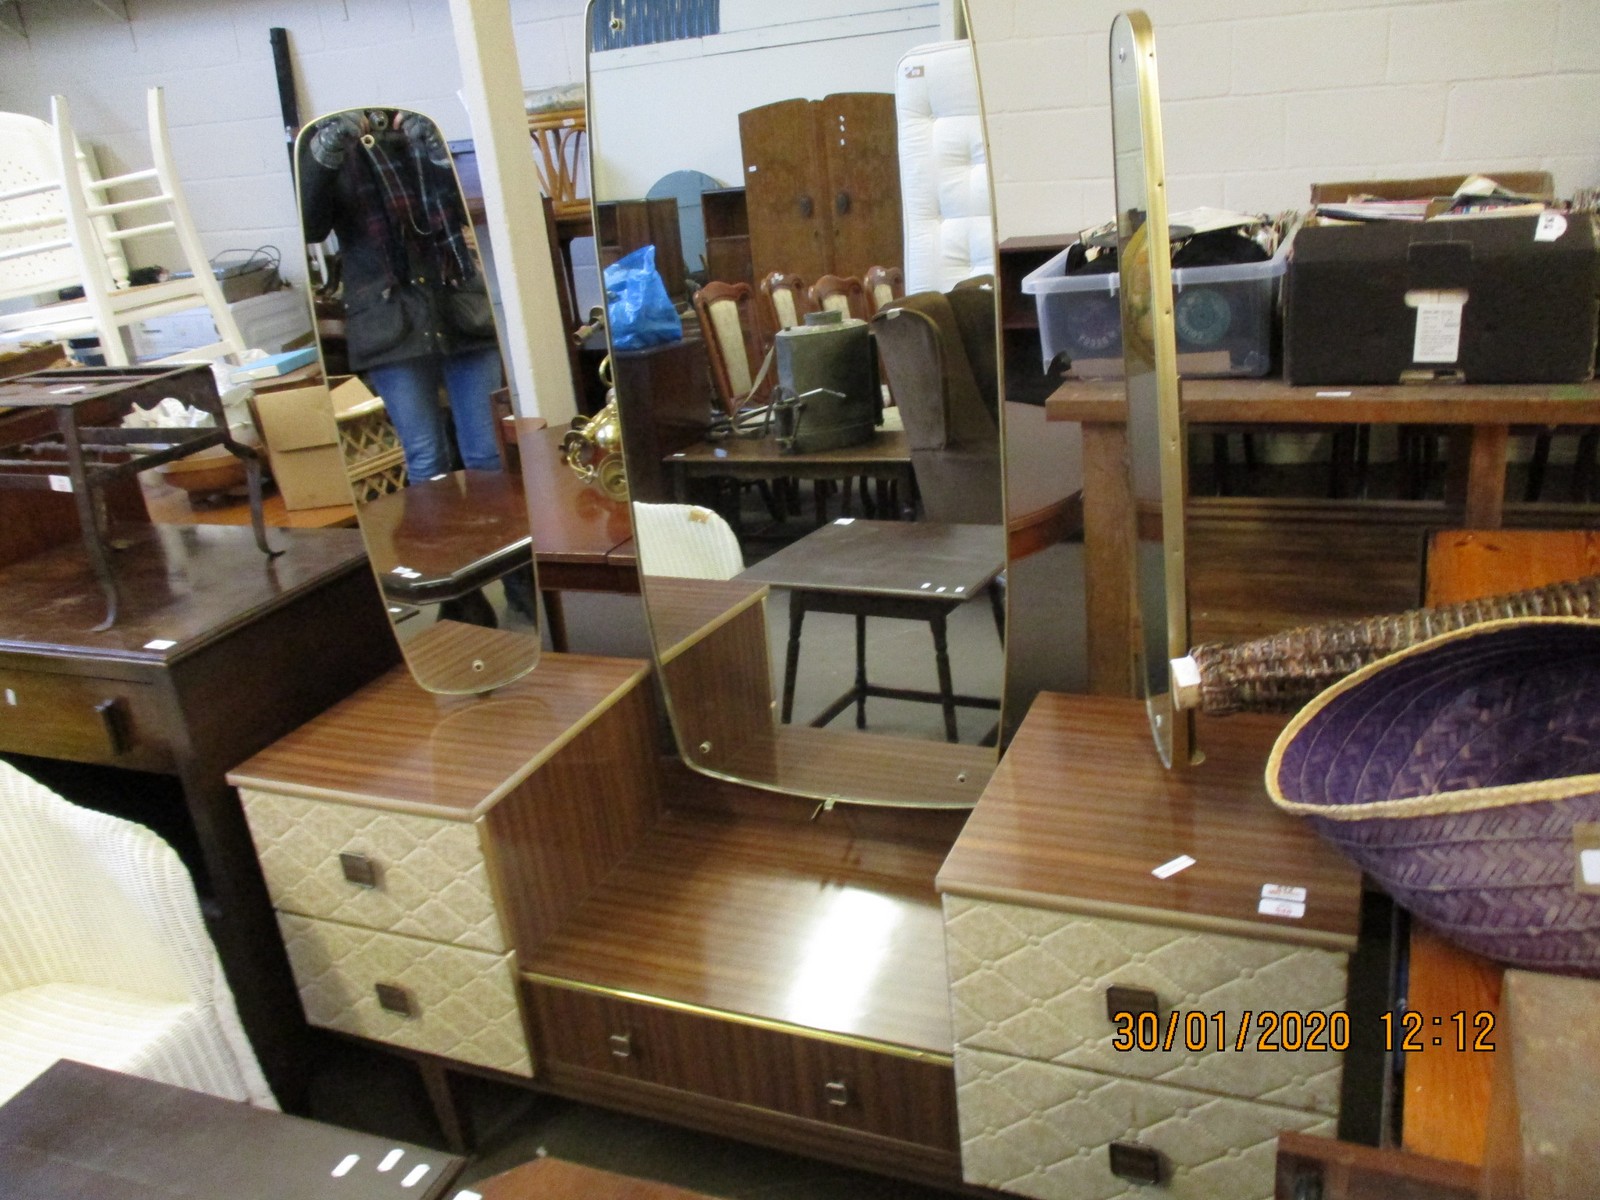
417	312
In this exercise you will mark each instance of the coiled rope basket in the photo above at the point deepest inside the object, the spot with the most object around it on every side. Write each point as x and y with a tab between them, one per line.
1463	774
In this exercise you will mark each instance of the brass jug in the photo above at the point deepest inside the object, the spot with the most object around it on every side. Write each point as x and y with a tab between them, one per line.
594	450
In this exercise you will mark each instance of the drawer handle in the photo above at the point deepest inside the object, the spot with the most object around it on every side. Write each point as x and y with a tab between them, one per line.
1136	1163
1134	1000
837	1093
396	999
621	1045
113	716
359	869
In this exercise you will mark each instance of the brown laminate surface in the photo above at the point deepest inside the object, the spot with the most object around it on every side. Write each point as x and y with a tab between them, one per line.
570	521
186	586
555	1179
1080	812
812	762
448	534
1272	401
808	926
1447	1091
169	505
394	745
685	611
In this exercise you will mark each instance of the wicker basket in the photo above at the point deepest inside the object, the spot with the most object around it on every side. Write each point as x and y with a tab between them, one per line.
1463	774
372	451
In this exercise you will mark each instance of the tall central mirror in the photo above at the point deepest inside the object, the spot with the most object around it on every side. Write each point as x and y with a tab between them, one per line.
403	311
815	467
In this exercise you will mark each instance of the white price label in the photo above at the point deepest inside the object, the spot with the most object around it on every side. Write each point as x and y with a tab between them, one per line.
1551	226
160	644
1589	863
345	1163
1438	337
60	483
1292	909
1171	867
1281	891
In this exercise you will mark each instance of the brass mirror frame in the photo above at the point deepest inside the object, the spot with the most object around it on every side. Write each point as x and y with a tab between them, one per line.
470	659
1150	375
961	782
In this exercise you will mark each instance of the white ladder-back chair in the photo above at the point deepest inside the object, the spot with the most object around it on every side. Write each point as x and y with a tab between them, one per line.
59	228
104	957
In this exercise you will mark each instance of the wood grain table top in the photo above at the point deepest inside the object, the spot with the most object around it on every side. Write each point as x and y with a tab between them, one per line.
1272	401
911	560
182	588
885	446
1446	1105
815	926
392	745
684	611
1080	812
78	1131
437	539
556	1179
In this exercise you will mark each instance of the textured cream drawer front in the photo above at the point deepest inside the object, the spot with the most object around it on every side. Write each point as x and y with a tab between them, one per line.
431	878
463	1002
1032	982
1046	1131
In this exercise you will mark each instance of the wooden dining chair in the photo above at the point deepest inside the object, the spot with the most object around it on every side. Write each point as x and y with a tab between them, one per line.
733	341
883	284
784	303
840	293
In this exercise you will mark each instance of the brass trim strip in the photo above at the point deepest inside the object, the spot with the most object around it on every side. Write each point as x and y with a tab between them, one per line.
932	1057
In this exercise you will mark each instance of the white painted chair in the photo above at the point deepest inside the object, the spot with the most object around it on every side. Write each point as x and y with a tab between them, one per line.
104	957
685	541
58	229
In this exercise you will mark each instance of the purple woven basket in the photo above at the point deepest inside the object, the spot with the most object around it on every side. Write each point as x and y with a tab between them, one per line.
1463	774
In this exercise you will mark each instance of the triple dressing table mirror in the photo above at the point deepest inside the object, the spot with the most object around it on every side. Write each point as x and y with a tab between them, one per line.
450	546
827	622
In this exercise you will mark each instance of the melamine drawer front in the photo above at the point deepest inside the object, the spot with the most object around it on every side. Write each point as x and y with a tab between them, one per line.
1037	983
419	876
1057	1133
82	718
445	1000
856	1087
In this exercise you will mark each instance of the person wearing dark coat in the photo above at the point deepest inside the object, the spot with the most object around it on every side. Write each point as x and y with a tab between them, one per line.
417	312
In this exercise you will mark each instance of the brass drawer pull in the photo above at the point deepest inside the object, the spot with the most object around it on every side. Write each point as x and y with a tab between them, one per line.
1136	1163
1134	1000
396	999
621	1045
359	869
837	1093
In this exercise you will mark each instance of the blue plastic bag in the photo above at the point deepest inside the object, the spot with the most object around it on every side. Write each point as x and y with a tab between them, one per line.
637	307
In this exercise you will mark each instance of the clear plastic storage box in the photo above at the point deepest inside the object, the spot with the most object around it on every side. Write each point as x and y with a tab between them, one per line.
1223	317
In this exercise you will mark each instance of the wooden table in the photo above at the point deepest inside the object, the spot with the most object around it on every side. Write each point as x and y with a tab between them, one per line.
1483	413
80	1133
1447	1092
908	571
886	456
218	651
553	1179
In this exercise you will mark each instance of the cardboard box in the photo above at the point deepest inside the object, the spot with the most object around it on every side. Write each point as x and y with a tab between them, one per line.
1483	299
301	433
1538	184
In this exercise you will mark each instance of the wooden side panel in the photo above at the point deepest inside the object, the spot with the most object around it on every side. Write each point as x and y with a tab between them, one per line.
785	190
861	144
720	687
563	829
847	1087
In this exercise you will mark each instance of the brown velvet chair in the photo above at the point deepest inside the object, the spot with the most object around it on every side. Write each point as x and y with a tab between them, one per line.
938	350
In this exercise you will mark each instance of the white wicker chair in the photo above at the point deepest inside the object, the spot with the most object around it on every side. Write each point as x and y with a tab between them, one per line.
685	541
104	957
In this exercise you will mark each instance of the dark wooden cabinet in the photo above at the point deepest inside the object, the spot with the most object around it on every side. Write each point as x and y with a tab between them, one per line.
664	397
727	221
622	226
822	182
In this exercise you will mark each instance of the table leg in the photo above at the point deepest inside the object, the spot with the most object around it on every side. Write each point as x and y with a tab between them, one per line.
861	670
436	1079
941	655
1108	549
997	603
1486	477
84	499
797	616
555	614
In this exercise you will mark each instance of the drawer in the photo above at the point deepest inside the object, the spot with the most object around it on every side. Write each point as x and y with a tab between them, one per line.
1034	983
445	1000
81	718
427	876
1049	1131
856	1087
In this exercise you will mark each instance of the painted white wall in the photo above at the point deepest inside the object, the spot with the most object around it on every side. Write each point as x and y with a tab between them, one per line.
1261	98
658	109
215	62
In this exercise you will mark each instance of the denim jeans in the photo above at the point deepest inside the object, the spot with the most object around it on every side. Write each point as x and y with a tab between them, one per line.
410	391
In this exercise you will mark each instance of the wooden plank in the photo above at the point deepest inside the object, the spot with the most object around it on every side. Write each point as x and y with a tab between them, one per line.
1108	546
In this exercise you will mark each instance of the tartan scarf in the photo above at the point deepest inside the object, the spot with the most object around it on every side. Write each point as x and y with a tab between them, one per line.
410	207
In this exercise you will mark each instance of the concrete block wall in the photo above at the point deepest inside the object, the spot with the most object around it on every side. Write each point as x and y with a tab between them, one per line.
1261	98
215	62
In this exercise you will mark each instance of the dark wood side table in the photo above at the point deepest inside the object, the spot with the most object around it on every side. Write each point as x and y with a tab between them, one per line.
218	652
82	1133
